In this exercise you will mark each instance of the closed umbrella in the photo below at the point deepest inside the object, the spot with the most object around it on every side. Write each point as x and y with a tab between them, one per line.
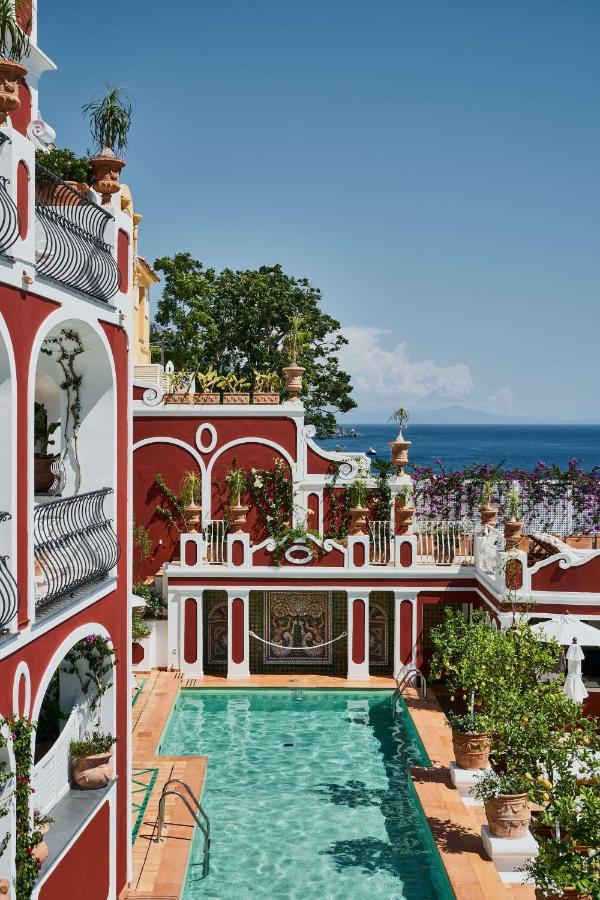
574	687
567	629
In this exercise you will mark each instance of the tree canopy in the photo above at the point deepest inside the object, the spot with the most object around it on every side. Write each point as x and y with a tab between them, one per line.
237	321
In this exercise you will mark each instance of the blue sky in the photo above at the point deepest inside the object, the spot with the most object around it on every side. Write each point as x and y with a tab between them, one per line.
432	166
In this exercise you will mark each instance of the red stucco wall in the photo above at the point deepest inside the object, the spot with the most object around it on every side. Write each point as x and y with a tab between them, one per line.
83	873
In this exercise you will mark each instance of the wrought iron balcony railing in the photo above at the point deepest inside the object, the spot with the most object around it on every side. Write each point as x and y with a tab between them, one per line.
9	592
70	245
10	224
75	545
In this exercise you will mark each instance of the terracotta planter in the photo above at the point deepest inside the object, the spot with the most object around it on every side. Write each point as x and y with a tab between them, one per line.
293	381
400	453
106	169
178	399
580	541
265	398
193	517
4	888
568	893
40	852
236	398
238	516
471	750
43	475
404	518
93	772
508	816
358	520
207	398
513	532
10	76
488	515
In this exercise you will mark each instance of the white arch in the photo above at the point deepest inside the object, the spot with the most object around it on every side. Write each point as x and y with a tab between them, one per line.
12	374
22	671
176	442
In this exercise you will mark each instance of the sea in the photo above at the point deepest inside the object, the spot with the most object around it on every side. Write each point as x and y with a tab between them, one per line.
517	446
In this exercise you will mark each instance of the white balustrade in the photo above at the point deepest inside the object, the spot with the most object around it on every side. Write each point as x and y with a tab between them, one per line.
215	541
381	542
446	543
50	777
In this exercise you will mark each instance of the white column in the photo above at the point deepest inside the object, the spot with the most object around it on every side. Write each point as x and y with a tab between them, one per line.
195	668
360	668
174	614
238	667
399	596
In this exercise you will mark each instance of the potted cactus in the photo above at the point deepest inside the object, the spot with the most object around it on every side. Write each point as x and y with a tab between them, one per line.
205	382
236	486
110	121
266	387
14	46
42	431
235	390
92	768
399	445
513	522
296	340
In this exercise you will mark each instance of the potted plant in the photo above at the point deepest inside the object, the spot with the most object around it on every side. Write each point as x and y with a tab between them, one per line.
513	522
487	511
91	755
205	382
505	802
399	445
266	387
178	384
42	432
404	510
110	121
295	342
14	46
470	740
236	485
41	826
359	510
74	170
190	494
234	388
559	871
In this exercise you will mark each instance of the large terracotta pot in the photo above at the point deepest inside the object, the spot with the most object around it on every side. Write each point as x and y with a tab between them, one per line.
236	398
193	517
293	381
207	398
265	398
513	532
358	520
42	473
178	399
4	888
488	515
404	518
471	750
580	541
106	169
93	772
400	453
10	76
508	816
238	516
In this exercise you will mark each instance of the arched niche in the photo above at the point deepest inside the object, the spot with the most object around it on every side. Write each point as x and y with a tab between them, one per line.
7	461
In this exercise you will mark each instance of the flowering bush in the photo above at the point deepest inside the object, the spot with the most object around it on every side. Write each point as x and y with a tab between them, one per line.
91	744
27	837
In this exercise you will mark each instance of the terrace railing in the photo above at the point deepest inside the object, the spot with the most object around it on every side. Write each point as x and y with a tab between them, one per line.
70	238
10	222
445	543
75	545
50	776
215	541
9	592
380	543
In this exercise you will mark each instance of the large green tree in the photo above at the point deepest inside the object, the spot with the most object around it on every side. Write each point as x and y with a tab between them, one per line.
236	321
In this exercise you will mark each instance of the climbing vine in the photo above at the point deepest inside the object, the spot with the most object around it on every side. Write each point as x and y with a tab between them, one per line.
28	836
339	502
68	346
172	507
5	778
99	658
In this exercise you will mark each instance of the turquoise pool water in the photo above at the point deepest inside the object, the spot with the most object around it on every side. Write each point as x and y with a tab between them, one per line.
309	796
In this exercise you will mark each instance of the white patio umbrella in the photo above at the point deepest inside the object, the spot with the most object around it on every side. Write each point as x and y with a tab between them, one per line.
567	629
574	687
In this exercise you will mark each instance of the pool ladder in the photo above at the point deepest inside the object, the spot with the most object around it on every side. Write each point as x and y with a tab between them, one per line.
411	677
194	808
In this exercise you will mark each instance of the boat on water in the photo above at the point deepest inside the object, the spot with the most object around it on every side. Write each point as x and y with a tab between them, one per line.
371	451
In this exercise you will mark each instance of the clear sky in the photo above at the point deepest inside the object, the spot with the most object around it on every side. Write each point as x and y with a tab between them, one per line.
432	166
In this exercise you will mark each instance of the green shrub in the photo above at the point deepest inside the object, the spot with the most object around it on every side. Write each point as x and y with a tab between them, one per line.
65	164
91	744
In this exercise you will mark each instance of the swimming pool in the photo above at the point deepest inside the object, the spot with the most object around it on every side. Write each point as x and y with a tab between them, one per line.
308	794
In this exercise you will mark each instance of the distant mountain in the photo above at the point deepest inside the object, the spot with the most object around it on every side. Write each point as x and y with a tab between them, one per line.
461	415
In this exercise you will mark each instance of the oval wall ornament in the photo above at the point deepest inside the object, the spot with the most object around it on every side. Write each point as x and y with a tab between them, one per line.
204	431
298	554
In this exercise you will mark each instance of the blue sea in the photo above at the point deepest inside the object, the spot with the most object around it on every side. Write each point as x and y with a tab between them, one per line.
518	446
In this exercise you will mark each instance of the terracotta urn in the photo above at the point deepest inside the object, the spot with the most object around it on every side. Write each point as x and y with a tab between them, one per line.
293	381
488	515
4	888
400	453
358	519
11	74
106	169
42	473
235	397
93	772
207	398
193	517
265	398
508	816
471	750
40	851
238	516
513	532
404	517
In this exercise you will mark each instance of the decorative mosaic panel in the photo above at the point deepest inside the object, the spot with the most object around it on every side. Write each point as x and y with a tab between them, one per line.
215	644
300	625
379	628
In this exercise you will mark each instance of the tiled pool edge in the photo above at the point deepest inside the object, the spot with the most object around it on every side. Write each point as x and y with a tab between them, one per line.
455	828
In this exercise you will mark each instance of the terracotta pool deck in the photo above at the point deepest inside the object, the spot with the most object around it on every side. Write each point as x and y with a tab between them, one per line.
159	869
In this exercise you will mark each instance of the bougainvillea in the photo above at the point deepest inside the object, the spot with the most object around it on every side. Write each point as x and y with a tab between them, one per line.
28	836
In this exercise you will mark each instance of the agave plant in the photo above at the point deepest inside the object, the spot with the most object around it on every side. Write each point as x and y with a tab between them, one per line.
110	119
14	42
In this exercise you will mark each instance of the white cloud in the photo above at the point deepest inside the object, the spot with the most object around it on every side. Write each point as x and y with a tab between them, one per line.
501	401
380	375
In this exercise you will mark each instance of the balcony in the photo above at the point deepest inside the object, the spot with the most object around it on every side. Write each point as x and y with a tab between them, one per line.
9	592
10	223
74	546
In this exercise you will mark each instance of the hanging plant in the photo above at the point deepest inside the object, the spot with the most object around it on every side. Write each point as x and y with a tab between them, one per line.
65	348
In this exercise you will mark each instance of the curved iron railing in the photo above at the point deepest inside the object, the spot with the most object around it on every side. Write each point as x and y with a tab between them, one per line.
70	246
9	592
75	545
10	221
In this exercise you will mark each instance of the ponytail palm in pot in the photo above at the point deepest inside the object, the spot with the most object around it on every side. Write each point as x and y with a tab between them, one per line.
14	46
110	121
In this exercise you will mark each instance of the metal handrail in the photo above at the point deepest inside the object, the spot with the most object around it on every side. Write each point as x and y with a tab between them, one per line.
203	826
402	681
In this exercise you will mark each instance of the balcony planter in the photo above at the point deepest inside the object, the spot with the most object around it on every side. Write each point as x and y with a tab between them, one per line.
400	452
265	398
293	381
178	399
358	519
234	397
513	532
106	169
238	516
471	749
93	772
43	474
207	398
580	541
11	74
404	516
488	515
193	517
567	893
